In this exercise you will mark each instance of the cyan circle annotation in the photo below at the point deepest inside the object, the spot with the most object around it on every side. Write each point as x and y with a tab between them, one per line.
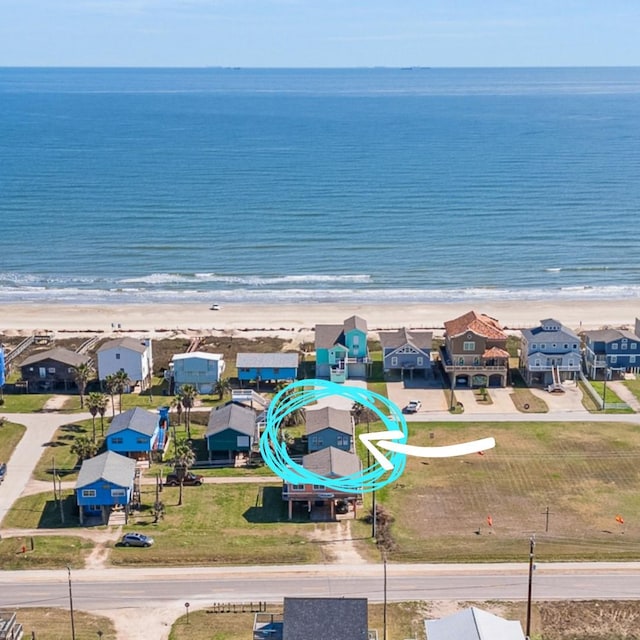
302	393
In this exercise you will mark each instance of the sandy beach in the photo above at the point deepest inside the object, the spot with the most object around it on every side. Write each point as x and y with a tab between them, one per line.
172	319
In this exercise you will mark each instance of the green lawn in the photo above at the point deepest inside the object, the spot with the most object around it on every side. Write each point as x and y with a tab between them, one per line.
10	435
25	402
585	473
232	524
58	451
49	552
612	397
41	511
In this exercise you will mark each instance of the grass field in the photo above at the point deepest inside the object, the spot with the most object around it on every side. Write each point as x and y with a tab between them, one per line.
585	473
55	624
231	524
10	435
24	402
49	552
41	511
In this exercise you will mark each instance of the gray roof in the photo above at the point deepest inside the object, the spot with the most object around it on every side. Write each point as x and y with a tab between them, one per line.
124	343
232	416
139	420
610	335
395	339
332	462
473	624
110	467
326	335
262	360
540	333
325	619
329	417
59	354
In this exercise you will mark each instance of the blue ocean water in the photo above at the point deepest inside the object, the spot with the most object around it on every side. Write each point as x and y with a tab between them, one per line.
416	185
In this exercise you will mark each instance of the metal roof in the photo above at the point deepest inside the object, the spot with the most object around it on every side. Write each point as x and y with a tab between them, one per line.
138	419
267	360
110	467
473	624
232	416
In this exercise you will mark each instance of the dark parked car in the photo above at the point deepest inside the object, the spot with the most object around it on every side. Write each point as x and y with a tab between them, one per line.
190	479
136	540
3	470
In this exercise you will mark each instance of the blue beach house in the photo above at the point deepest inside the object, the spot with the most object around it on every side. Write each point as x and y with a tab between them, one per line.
105	482
341	350
405	351
329	427
611	352
136	433
201	369
231	432
267	366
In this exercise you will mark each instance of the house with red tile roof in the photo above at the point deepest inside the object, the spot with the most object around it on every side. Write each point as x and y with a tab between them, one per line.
475	353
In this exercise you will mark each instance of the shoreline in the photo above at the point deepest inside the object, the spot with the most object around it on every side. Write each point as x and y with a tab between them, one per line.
163	320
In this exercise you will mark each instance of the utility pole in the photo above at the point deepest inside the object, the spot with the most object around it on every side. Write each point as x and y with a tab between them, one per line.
374	518
73	624
384	608
532	544
546	519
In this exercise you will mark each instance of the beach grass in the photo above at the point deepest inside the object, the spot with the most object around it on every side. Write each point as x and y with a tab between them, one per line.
10	435
55	624
586	473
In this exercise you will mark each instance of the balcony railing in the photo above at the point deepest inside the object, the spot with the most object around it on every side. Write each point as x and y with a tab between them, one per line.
464	368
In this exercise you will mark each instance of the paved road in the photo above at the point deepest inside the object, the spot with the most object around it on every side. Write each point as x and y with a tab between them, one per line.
40	429
111	589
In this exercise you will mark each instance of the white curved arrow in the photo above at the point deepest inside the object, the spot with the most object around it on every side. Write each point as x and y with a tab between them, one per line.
385	440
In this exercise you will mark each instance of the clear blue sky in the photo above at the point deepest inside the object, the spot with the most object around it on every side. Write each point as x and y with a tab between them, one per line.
319	33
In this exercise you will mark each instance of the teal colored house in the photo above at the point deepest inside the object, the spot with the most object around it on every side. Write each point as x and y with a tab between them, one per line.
105	482
329	427
136	433
341	350
258	367
231	432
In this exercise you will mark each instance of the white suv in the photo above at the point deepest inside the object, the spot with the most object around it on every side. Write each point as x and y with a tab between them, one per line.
413	407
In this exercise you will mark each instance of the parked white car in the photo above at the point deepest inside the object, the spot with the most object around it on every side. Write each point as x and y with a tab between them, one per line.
413	407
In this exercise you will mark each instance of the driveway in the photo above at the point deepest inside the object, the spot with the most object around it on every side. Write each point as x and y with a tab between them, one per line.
433	398
570	400
41	428
340	402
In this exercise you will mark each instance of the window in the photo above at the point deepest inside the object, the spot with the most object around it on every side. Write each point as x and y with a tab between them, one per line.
116	440
469	346
624	344
537	362
88	493
343	441
242	441
394	361
70	370
141	440
633	346
614	346
543	346
52	369
632	359
419	360
534	346
565	346
296	487
318	487
613	359
117	356
276	371
554	345
118	493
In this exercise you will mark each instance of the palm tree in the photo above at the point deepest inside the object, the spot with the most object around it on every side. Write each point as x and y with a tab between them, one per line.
84	447
176	403
223	387
187	394
110	384
182	461
121	384
297	416
82	374
102	409
93	403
